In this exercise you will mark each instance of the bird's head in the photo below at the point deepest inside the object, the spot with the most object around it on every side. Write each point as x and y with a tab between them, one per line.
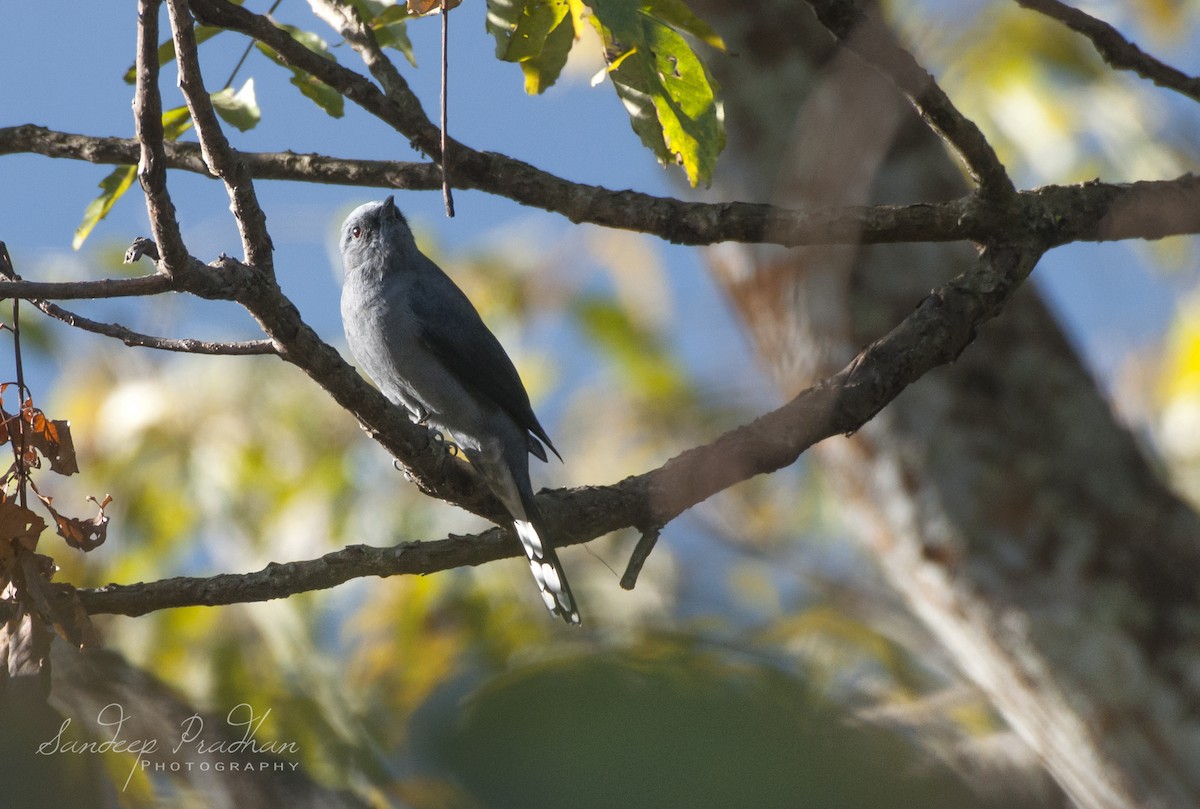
373	233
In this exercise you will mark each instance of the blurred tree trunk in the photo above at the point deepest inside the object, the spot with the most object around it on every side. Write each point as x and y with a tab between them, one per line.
1000	496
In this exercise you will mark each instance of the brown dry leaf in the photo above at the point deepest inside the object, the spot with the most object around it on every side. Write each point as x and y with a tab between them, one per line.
58	604
20	524
426	6
52	439
84	534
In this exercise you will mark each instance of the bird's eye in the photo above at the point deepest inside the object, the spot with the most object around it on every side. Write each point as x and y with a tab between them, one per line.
356	231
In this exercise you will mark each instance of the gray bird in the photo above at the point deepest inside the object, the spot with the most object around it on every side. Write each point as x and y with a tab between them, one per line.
418	336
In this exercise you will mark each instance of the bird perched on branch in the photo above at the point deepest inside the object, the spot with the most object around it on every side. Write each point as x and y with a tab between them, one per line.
418	336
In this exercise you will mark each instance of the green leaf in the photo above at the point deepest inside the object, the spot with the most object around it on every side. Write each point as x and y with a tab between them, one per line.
175	122
676	14
536	20
239	109
502	19
542	70
320	93
313	88
111	189
537	34
670	97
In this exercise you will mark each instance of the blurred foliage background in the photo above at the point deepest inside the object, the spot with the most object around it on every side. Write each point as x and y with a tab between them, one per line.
760	661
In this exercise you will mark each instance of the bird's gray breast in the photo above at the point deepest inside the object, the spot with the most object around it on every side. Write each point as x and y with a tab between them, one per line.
384	336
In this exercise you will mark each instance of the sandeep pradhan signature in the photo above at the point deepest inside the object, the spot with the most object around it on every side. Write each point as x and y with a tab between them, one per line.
114	717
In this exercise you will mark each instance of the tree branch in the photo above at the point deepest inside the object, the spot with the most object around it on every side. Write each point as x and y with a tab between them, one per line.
1116	50
219	156
637	559
282	580
152	168
85	290
14	287
345	20
865	36
132	338
186	156
1092	211
935	333
396	105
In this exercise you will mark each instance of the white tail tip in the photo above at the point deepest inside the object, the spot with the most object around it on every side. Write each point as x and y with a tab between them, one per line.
548	573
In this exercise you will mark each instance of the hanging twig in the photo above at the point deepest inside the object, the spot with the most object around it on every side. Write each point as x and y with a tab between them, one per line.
18	443
641	553
446	193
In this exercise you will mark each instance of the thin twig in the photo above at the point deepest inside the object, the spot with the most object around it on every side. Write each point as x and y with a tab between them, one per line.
866	36
637	559
129	337
18	446
447	195
36	293
152	163
396	105
22	397
246	53
1115	49
220	157
408	116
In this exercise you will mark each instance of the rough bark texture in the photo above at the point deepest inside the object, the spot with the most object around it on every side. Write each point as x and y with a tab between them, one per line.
999	494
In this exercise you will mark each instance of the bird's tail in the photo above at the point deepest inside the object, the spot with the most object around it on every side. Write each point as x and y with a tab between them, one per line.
548	573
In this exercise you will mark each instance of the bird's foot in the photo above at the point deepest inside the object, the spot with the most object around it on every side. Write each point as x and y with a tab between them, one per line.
449	446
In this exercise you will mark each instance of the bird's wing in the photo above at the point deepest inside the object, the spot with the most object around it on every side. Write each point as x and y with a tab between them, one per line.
452	330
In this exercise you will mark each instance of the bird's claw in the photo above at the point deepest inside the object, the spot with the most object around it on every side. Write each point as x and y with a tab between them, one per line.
436	437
